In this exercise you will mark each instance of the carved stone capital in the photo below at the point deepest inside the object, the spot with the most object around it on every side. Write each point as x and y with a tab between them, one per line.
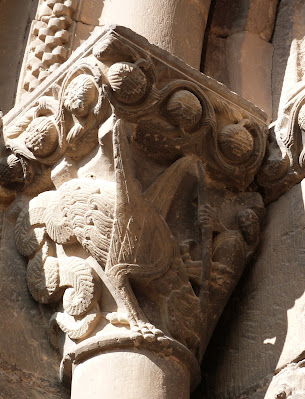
131	179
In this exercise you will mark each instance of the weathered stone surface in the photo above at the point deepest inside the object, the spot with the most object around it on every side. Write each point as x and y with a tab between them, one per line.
289	383
288	67
180	36
82	33
89	12
261	18
215	64
13	31
229	17
263	327
237	52
15	383
28	365
249	61
255	16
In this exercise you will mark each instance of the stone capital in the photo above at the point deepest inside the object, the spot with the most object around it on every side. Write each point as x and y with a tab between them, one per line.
131	180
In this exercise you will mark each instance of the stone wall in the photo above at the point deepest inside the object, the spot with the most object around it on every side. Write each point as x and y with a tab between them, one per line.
16	17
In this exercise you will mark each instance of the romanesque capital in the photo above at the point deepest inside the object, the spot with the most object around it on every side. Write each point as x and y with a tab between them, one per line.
131	180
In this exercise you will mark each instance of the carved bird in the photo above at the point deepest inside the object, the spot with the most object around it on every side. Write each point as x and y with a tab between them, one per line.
122	228
142	246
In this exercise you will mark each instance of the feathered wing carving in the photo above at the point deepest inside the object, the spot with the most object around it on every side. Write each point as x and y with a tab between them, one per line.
74	328
142	246
80	210
43	274
139	232
124	230
32	241
83	210
30	229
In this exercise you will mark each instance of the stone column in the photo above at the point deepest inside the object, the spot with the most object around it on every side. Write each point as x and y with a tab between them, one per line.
13	29
176	26
288	60
239	52
131	374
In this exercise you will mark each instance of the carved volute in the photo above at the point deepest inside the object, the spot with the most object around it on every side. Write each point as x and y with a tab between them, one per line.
132	181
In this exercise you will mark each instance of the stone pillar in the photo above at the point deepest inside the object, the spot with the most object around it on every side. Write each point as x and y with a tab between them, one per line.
131	374
239	52
176	26
13	30
288	61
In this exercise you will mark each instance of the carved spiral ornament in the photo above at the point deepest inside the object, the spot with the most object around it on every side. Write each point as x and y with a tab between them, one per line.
128	82
41	136
235	142
80	95
185	109
239	150
76	273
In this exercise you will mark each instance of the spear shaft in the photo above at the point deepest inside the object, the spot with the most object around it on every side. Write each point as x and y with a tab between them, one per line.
207	241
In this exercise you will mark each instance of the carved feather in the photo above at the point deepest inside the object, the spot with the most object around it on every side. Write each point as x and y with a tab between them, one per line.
29	229
163	190
77	274
141	239
75	329
43	276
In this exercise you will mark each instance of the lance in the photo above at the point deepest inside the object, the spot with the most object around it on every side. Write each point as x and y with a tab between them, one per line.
207	241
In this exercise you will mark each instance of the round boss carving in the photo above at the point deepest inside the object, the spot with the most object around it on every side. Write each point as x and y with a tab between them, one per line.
41	136
80	95
184	109
235	142
128	82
